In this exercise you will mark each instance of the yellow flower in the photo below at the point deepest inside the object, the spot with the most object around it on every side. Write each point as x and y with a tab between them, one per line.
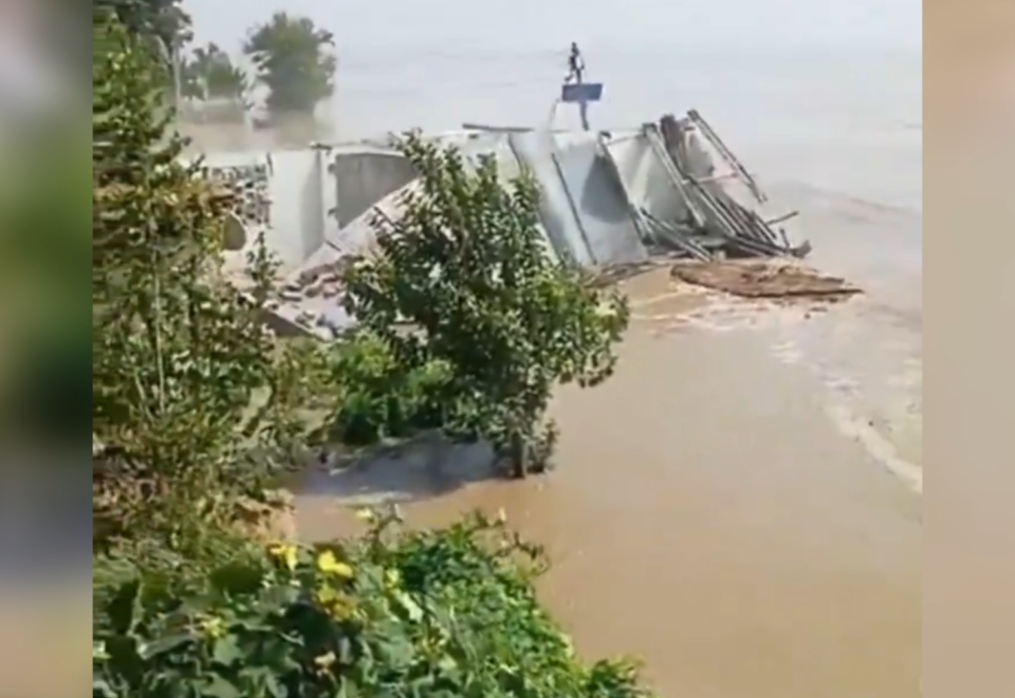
329	564
366	515
341	610
336	605
213	627
325	595
325	660
284	554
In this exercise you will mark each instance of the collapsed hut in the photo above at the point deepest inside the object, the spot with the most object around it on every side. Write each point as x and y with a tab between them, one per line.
669	189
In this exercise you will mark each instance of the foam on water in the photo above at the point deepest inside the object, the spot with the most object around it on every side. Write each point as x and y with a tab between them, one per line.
870	367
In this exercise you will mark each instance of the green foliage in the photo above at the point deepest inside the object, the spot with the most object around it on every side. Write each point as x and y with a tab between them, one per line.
382	399
495	320
197	406
211	74
388	614
213	88
294	62
163	21
194	399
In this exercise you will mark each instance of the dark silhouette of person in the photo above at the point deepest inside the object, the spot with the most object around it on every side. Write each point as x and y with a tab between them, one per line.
575	64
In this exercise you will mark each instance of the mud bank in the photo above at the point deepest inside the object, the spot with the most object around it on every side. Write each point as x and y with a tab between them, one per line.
709	517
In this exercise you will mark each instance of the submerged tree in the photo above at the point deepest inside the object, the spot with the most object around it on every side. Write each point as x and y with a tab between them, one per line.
214	89
211	74
498	321
294	62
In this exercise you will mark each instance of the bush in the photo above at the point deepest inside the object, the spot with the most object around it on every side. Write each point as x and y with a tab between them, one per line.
389	614
466	266
197	404
382	398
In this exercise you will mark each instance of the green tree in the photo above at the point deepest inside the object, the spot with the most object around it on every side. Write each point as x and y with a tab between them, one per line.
211	74
294	62
164	20
467	266
194	400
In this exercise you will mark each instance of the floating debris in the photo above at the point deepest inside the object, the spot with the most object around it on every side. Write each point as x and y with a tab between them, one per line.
764	279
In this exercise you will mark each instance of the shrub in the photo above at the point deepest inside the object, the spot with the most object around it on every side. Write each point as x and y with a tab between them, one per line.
196	402
465	264
382	398
389	614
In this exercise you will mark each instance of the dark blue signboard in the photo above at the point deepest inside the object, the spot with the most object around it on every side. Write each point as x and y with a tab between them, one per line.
581	92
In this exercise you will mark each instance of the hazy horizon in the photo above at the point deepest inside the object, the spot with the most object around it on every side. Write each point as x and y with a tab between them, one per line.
552	24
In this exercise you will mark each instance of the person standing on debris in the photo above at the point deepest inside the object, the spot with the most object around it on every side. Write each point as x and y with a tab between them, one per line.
575	64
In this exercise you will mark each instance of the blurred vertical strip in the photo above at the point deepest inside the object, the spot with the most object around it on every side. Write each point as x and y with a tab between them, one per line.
31	76
43	216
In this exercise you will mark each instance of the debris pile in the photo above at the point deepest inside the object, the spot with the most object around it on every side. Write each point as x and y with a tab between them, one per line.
612	202
713	224
765	279
311	301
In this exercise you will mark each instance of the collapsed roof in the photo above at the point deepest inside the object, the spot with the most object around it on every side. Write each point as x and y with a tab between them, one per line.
609	199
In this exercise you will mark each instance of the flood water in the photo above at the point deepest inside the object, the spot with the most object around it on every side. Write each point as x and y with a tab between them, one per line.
740	505
708	516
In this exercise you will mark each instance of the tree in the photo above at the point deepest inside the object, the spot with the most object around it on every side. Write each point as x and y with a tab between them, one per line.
163	20
466	265
210	74
192	397
214	88
294	62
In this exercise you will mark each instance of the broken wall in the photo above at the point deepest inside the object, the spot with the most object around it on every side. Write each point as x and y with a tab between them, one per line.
287	188
322	200
365	176
601	202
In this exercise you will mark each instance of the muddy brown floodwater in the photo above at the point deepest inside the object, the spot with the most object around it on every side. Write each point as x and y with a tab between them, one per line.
707	516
